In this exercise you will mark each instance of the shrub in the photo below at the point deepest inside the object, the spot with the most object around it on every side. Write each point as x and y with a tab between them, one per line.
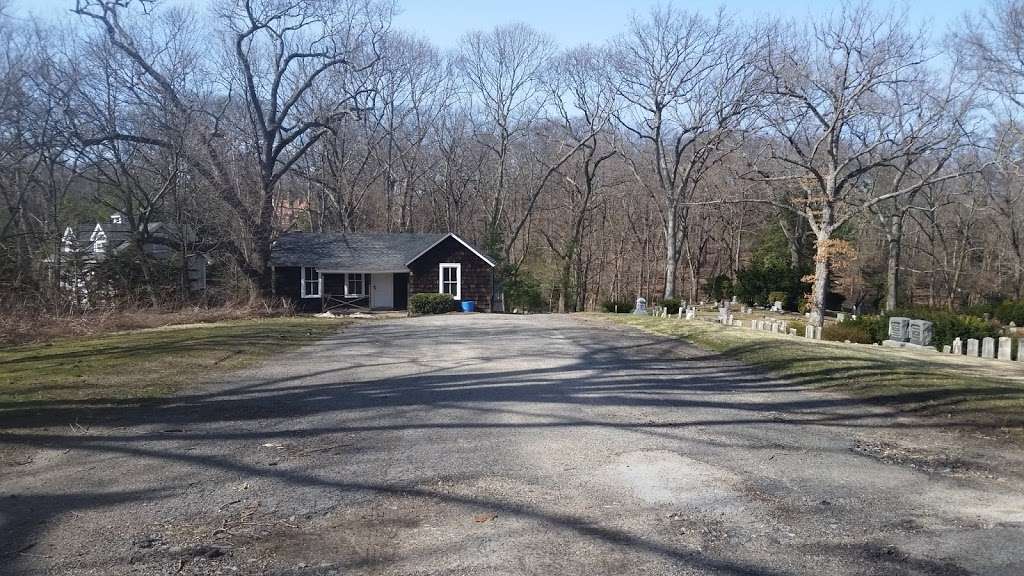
799	325
719	287
876	327
523	292
431	303
622	306
671	304
852	331
1010	311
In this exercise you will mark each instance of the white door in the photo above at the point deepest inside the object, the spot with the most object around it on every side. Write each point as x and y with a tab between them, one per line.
382	291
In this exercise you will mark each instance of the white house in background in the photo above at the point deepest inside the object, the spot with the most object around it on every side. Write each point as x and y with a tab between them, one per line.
91	243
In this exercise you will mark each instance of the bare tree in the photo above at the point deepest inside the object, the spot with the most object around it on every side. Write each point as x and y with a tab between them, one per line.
503	69
584	100
278	55
686	82
833	127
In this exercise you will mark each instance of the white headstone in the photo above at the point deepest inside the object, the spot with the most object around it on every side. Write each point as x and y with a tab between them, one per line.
679	313
958	346
988	347
841	317
792	331
972	347
946	349
1005	348
641	306
809	331
817	332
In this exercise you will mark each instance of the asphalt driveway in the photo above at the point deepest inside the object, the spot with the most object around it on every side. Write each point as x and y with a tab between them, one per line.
486	444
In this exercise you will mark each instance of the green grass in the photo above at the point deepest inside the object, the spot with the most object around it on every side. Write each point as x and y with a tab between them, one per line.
972	391
145	363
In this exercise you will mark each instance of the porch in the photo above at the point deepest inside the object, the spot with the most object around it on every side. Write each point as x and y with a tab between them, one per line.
363	291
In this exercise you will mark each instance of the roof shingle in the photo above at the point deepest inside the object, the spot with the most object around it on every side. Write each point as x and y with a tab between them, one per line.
351	251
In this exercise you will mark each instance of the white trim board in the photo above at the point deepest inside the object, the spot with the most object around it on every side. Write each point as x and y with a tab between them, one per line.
461	241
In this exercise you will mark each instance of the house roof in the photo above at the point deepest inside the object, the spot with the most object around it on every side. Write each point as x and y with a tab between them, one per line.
350	251
356	251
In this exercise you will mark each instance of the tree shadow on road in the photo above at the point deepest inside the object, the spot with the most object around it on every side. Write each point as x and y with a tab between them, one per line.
570	391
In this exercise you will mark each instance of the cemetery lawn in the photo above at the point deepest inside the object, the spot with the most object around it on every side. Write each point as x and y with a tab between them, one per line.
974	393
146	363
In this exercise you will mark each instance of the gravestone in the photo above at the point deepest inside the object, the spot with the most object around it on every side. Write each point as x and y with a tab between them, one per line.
679	313
988	347
817	332
691	313
641	306
841	317
958	346
898	328
1020	350
809	331
1005	348
946	349
777	306
920	332
972	347
792	331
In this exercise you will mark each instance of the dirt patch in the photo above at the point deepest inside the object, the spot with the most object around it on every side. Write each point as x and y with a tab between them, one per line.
926	460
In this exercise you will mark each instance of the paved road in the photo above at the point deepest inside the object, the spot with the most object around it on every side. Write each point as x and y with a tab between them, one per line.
505	445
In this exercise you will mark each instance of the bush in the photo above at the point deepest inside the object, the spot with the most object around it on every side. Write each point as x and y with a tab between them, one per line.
876	327
799	325
620	306
1010	311
523	292
852	331
671	304
719	287
431	303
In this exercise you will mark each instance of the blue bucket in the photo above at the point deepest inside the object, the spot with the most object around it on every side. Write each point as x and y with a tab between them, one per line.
468	306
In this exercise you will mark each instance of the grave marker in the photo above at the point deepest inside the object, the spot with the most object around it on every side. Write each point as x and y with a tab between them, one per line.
988	347
972	347
1005	348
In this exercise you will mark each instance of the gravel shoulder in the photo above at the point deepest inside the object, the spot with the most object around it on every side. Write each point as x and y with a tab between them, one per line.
487	444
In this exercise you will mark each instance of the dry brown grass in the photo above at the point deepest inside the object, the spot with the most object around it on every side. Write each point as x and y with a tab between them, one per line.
27	326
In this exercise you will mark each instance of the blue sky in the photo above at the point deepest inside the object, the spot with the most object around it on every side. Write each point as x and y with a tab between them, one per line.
576	21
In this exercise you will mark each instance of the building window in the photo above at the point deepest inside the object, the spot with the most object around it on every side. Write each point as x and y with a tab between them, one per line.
354	285
310	283
450	280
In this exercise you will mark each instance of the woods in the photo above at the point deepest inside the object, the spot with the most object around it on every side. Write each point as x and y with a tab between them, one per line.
855	160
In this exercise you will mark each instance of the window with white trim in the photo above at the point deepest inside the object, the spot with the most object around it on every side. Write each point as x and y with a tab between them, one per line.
99	240
450	280
310	283
354	285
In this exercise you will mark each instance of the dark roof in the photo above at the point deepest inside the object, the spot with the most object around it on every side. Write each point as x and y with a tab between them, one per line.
351	251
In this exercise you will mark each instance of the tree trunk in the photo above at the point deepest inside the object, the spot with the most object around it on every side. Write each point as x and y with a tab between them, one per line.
671	256
820	288
894	238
